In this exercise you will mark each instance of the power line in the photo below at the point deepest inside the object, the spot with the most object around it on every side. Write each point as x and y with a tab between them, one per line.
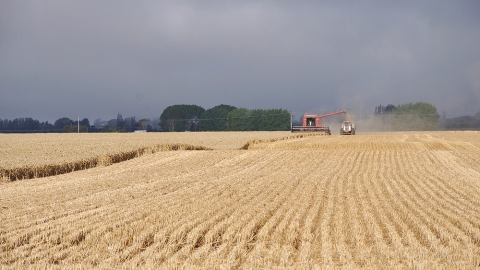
226	118
275	114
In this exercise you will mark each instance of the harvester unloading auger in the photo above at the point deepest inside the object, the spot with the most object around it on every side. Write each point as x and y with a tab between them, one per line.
313	123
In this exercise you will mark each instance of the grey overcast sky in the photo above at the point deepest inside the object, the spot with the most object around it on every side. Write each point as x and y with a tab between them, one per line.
94	58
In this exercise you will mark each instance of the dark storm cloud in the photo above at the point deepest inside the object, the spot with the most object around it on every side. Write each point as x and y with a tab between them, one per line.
98	58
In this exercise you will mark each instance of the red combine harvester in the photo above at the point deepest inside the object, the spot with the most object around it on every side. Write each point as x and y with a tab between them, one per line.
313	123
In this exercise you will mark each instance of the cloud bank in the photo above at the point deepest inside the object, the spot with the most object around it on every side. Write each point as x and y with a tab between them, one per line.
99	58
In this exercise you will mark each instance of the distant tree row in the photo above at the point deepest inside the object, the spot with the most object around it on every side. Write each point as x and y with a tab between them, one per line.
67	125
119	124
127	124
215	119
223	118
25	125
409	116
415	116
30	125
382	110
258	120
466	122
179	118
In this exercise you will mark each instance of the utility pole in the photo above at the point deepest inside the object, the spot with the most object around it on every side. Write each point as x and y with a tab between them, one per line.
78	122
291	121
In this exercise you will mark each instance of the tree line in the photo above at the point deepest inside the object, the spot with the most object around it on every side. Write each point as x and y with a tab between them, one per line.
66	125
28	124
223	118
408	117
179	118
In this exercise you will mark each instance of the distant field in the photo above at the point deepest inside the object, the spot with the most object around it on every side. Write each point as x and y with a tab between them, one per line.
384	200
30	149
38	155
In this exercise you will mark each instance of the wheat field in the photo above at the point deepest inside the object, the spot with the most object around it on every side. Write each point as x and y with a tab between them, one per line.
385	200
39	155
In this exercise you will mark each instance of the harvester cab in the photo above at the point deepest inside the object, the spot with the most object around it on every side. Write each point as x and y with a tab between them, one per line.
310	121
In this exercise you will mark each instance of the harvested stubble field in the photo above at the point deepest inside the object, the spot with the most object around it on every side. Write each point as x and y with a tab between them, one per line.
392	200
39	155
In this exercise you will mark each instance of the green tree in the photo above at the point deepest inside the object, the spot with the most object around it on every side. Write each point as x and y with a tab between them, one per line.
85	122
31	124
215	119
237	120
415	116
120	122
74	129
258	120
106	128
382	110
142	124
181	118
64	121
277	119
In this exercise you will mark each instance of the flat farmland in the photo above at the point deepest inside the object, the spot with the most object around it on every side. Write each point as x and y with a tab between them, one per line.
37	155
32	149
384	200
